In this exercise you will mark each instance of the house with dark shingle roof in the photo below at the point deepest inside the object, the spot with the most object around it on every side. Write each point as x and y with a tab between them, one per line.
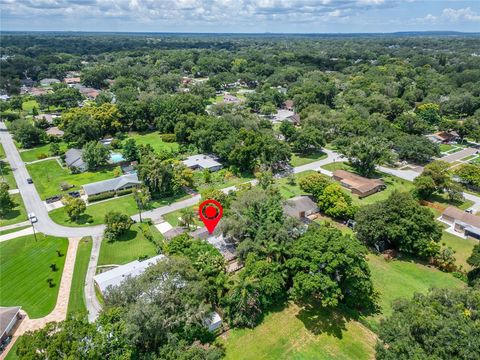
119	183
300	207
73	159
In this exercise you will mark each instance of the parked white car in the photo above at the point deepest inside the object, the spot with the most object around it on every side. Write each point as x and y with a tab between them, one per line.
32	217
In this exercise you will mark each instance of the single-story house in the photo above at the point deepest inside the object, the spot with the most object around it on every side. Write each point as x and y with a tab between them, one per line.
47	117
71	80
90	93
116	276
170	234
231	99
288	105
34	91
119	183
8	318
49	81
300	206
295	119
357	184
73	159
463	222
202	161
217	240
4	97
444	137
54	131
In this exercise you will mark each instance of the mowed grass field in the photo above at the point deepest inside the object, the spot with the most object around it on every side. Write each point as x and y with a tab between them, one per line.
128	247
2	152
25	268
17	214
76	302
6	174
296	333
154	140
463	248
48	175
303	159
35	153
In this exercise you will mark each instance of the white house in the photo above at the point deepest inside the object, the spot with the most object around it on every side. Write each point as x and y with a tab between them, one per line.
202	161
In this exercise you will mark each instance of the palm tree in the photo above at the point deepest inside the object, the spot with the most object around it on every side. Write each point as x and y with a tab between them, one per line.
142	197
187	217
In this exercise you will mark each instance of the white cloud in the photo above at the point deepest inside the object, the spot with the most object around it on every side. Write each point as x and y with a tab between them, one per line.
450	15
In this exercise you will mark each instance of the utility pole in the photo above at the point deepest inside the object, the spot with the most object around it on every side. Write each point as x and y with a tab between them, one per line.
34	233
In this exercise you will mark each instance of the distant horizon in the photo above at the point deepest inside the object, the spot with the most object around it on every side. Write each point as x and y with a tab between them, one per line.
232	17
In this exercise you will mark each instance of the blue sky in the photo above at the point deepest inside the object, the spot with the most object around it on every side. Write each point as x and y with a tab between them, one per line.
244	16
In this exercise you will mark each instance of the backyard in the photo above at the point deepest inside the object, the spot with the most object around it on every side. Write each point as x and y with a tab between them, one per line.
25	270
48	175
129	247
155	140
17	214
76	302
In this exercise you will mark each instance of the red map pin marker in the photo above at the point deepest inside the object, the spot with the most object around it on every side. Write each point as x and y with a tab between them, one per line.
210	212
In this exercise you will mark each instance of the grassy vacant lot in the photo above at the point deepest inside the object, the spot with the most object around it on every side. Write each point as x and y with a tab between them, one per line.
401	279
299	159
219	179
76	302
290	190
25	270
155	140
37	152
6	175
299	333
18	214
95	212
48	175
29	105
128	247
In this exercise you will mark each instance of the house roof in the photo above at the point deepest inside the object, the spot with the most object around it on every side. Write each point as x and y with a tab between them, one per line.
288	103
357	182
116	276
54	131
73	157
110	184
462	216
49	81
295	118
7	316
217	240
71	80
201	160
299	204
48	117
170	234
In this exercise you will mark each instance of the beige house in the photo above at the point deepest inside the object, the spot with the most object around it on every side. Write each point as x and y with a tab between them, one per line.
357	184
462	222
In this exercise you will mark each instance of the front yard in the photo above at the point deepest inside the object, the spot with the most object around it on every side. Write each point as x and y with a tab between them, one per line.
25	272
48	175
129	247
301	159
17	214
219	179
39	152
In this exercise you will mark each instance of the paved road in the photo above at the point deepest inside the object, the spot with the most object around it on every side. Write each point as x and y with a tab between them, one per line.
460	154
30	196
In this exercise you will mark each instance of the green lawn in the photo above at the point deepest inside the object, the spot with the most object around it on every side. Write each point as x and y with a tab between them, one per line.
463	248
290	190
29	105
401	279
301	333
129	247
48	175
96	212
18	214
25	270
6	175
76	302
155	140
2	152
299	159
219	179
172	218
37	153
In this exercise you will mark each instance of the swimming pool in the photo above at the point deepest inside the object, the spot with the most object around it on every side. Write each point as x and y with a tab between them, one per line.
116	157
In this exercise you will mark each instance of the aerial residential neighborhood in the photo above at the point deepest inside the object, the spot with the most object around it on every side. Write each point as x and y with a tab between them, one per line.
236	185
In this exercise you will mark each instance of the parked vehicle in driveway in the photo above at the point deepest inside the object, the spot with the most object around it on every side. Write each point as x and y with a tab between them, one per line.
32	217
53	199
74	194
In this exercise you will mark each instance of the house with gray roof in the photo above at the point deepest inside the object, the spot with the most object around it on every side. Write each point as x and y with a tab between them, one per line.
73	160
8	318
201	162
116	184
49	81
300	207
114	277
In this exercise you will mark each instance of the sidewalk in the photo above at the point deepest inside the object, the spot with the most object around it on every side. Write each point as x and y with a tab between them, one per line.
24	232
